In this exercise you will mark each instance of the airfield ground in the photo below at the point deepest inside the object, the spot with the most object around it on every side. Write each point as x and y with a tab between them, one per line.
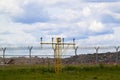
78	72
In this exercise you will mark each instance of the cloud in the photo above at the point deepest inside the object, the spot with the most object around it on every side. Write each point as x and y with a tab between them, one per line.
33	13
102	0
89	23
17	38
13	34
110	19
86	11
110	14
96	26
107	39
11	7
24	11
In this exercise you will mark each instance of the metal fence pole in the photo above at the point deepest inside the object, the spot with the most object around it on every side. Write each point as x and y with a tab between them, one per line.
117	56
76	51
4	49
96	56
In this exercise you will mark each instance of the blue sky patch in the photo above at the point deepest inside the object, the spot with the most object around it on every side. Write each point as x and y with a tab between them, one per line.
110	19
32	14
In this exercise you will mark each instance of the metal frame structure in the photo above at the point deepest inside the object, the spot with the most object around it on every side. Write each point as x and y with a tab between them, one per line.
57	47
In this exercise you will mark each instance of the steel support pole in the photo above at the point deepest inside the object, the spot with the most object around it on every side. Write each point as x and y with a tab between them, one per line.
96	56
117	56
4	49
76	51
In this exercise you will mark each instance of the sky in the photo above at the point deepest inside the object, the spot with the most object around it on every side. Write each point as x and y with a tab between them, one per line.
90	22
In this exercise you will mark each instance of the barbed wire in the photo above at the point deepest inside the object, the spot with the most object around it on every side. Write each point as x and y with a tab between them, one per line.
6	52
38	47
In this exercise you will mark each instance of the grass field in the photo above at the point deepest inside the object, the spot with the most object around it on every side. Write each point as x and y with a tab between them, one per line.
82	72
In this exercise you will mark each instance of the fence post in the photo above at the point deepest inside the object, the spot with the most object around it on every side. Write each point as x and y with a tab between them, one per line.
4	49
96	56
117	56
30	49
76	51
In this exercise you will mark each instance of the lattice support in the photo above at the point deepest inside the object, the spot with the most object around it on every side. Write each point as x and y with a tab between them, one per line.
58	56
58	46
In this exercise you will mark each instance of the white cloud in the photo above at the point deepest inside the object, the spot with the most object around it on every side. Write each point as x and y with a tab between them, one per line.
96	26
11	7
69	19
53	2
117	35
107	39
86	11
18	38
13	34
101	1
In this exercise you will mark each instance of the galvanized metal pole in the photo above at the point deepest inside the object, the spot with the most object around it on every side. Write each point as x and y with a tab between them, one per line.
117	56
96	56
4	49
76	51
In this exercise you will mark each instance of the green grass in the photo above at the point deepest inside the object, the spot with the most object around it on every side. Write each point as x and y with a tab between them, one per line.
82	72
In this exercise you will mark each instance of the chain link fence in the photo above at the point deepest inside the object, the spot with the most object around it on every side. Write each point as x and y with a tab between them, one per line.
45	56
